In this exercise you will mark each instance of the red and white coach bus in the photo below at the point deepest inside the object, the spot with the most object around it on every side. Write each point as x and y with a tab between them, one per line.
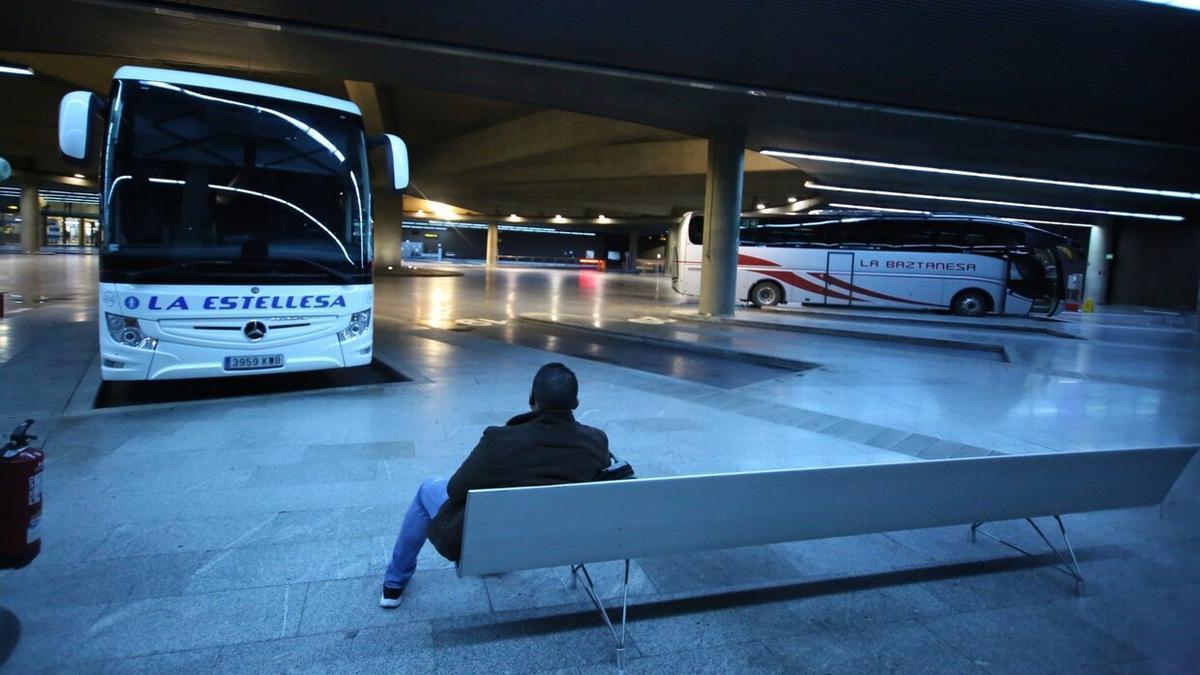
967	264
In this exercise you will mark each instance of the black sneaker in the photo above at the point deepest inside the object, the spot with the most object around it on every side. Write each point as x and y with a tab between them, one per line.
390	598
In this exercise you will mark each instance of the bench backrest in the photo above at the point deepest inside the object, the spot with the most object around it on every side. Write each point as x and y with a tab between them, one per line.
527	528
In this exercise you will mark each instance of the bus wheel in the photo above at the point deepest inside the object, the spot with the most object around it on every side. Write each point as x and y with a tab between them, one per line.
971	303
766	294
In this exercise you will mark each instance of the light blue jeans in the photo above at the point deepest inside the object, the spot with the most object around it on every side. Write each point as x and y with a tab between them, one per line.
429	498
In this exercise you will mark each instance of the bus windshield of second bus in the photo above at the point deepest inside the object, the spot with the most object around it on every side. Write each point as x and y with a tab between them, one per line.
969	265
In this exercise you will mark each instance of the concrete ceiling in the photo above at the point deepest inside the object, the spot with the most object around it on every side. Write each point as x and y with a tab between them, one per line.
597	105
486	155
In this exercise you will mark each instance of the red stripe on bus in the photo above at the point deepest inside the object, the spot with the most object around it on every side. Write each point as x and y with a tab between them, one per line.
744	259
864	291
801	282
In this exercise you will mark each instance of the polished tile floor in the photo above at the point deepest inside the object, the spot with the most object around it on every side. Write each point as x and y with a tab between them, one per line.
249	534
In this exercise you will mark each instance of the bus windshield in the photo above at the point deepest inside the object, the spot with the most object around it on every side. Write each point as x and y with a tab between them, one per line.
212	186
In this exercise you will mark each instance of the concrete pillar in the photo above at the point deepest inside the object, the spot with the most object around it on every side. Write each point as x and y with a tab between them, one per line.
722	215
631	264
388	210
493	245
1095	285
31	219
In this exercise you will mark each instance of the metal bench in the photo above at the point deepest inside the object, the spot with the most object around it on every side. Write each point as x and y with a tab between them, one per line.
512	529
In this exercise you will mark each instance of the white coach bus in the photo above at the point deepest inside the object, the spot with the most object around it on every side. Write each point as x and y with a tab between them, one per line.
235	225
968	265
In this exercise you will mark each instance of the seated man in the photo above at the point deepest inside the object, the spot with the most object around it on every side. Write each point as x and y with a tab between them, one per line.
545	446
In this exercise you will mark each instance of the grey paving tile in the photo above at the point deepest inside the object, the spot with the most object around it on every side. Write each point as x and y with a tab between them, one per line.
550	587
348	604
181	623
845	556
971	451
748	657
201	534
276	499
914	444
887	438
331	471
393	648
1031	639
103	581
656	423
324	452
900	648
1159	622
191	661
940	449
863	608
995	589
853	430
700	623
945	545
41	646
309	525
72	545
817	421
252	566
502	643
714	570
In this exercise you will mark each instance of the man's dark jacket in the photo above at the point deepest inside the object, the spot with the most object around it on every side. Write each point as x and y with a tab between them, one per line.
537	448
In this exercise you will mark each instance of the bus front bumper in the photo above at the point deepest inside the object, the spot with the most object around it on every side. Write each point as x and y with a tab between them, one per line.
173	361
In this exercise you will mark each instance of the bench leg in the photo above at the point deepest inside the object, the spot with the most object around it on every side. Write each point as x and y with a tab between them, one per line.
1069	567
580	572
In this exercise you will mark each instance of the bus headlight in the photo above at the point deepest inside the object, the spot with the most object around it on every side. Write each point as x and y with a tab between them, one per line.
359	322
126	330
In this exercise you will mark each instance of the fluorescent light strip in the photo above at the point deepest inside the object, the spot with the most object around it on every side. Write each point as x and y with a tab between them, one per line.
970	200
16	70
860	207
1181	4
1044	222
483	226
977	174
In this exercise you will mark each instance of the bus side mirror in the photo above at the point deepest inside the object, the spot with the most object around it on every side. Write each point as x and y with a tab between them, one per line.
397	161
75	115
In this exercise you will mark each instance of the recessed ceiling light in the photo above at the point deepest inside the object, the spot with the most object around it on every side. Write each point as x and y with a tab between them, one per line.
79	175
978	174
792	199
992	202
760	206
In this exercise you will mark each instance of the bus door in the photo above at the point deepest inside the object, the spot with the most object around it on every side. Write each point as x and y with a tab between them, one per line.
673	254
839	277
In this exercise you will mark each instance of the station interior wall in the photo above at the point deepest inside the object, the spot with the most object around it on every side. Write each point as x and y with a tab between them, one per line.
1156	266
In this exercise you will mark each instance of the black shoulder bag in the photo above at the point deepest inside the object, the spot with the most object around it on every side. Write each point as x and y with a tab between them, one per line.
617	470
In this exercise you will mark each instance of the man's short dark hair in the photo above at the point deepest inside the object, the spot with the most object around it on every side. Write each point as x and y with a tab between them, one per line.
555	388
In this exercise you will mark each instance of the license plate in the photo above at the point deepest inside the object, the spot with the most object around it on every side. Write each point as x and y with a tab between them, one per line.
253	362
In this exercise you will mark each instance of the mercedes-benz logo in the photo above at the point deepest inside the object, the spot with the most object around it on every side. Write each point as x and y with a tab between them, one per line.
255	331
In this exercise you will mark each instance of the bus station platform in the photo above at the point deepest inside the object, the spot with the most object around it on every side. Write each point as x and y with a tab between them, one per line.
249	533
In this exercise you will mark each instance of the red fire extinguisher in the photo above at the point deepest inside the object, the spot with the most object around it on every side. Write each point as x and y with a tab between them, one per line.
20	499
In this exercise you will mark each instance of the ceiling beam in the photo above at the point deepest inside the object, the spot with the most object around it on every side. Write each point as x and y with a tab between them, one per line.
529	136
620	160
